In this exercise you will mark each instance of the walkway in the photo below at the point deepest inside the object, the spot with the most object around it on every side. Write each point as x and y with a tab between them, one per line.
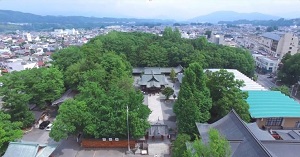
155	106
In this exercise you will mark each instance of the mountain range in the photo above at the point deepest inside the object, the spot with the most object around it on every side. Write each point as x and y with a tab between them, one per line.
20	17
215	17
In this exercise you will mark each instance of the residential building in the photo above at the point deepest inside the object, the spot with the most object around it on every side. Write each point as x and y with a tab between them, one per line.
278	44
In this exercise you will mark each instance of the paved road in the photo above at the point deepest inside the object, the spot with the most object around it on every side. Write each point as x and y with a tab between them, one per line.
265	81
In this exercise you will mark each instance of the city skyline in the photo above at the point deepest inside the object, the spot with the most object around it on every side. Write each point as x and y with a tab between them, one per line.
159	9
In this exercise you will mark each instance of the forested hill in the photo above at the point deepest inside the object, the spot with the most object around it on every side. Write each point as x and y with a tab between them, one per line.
279	22
9	21
170	50
20	17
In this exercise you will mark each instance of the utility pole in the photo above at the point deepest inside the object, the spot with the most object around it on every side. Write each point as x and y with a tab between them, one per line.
128	151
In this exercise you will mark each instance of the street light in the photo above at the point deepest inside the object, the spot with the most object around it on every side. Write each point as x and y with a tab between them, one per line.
128	151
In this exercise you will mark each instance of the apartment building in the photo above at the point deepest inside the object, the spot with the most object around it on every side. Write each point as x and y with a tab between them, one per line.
277	44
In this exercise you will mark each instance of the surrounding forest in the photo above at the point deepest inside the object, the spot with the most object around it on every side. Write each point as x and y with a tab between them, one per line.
101	73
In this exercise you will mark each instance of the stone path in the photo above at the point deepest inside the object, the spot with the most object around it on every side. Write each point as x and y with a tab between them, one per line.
155	106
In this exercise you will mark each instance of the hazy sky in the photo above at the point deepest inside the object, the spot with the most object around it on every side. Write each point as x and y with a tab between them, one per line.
172	9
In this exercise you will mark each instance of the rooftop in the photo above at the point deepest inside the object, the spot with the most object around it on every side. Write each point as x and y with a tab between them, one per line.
250	85
266	104
272	35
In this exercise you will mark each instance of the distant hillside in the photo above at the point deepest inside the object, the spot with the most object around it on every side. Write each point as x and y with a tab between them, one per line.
48	22
215	17
279	22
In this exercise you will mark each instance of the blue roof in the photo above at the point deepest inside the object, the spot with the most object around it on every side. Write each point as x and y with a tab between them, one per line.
267	104
273	36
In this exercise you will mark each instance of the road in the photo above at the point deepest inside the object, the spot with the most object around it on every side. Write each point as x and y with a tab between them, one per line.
265	81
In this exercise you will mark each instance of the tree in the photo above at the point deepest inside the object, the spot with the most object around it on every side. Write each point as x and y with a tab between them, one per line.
179	145
66	57
9	131
16	99
226	95
44	84
217	146
168	91
289	72
72	117
283	89
208	33
194	99
173	75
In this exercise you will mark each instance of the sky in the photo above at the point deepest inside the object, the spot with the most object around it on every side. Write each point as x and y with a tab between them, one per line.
160	9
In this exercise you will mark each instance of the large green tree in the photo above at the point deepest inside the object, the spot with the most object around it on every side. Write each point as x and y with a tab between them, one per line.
66	57
194	99
9	131
289	72
217	146
226	95
179	145
15	98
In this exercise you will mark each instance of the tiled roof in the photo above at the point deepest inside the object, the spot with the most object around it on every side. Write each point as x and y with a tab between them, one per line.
242	141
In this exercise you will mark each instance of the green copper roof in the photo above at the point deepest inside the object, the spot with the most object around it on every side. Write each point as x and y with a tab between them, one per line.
266	104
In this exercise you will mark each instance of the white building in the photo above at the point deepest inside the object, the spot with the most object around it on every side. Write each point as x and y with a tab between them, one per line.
217	38
27	37
265	63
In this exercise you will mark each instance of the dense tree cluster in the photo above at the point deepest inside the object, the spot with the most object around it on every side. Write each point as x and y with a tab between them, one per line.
227	95
194	100
143	49
104	82
36	86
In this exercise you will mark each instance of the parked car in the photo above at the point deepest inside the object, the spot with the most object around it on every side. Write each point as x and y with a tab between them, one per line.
48	128
44	124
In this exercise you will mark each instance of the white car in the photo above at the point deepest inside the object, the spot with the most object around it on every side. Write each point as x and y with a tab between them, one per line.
48	128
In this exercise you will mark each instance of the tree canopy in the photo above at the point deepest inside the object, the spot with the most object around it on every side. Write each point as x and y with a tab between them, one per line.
226	95
105	84
217	146
283	89
289	72
147	50
35	86
168	91
194	99
9	131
